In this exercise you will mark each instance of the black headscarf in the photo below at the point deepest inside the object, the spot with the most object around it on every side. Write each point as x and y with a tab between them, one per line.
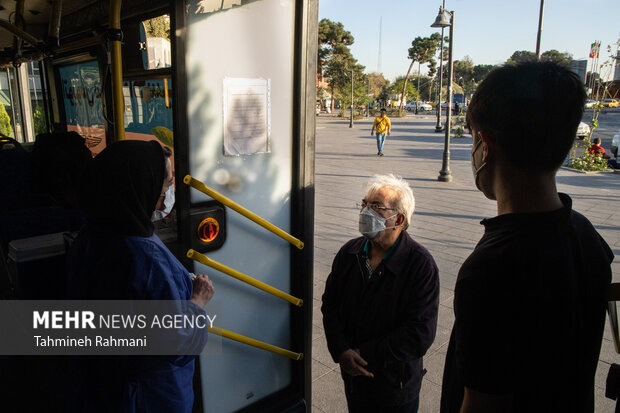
123	185
57	165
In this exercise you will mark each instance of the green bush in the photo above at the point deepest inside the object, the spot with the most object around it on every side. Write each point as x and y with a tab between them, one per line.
38	118
5	122
457	127
588	161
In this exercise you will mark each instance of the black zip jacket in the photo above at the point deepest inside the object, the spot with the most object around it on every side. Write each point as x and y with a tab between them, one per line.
392	318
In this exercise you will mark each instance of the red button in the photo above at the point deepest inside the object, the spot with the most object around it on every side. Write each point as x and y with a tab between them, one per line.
208	229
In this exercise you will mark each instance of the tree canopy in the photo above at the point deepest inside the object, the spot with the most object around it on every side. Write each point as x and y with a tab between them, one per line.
333	39
336	62
158	27
562	58
422	50
397	87
377	84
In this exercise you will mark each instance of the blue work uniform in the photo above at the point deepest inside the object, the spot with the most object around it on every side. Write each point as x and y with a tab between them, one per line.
104	266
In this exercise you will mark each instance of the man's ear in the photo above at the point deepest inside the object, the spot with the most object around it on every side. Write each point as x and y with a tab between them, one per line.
488	145
400	219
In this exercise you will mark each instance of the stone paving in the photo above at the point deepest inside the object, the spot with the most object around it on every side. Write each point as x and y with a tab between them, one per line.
446	221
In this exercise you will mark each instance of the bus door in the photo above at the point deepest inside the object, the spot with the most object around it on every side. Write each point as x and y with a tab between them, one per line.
245	71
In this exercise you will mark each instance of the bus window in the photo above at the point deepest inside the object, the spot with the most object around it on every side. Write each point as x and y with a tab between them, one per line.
81	92
157	42
148	110
40	118
9	97
148	116
146	44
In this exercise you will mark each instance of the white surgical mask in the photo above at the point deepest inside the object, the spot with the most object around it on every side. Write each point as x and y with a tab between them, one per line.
168	204
371	223
474	169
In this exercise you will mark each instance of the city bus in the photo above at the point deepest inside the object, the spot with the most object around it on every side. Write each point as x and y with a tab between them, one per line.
229	87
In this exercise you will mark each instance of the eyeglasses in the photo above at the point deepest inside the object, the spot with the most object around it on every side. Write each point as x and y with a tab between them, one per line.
374	205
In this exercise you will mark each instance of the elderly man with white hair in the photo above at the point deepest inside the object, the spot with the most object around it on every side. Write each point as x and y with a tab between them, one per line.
380	304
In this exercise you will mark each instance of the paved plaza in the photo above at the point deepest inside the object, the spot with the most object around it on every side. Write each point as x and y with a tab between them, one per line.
446	221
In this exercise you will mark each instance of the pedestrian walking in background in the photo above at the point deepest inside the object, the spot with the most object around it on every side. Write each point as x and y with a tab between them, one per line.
383	125
530	300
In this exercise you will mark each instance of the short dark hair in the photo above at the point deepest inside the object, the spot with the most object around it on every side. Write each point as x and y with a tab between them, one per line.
383	110
531	110
167	151
596	141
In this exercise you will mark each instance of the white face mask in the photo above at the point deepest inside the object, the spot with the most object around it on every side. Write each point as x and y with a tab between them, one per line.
371	223
474	169
168	204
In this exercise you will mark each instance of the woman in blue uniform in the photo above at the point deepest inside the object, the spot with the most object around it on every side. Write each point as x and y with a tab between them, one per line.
117	256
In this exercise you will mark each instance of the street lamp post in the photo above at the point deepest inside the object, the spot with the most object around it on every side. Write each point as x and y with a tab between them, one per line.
351	121
540	24
440	21
438	127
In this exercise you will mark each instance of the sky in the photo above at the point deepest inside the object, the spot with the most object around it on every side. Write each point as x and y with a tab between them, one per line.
488	31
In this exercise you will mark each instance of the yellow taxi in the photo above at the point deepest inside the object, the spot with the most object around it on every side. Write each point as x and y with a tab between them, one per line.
610	103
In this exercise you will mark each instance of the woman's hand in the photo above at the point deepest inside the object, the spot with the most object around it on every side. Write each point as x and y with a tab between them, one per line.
203	290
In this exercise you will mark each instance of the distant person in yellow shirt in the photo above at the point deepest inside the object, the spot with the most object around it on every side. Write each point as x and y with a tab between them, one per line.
383	125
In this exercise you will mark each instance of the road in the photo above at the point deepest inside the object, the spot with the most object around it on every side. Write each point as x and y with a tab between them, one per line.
609	124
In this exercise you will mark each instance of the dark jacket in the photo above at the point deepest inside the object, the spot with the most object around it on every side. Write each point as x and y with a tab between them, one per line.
392	318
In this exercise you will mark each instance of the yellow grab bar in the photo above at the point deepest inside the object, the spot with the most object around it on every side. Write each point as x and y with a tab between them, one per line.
193	182
118	100
196	256
255	343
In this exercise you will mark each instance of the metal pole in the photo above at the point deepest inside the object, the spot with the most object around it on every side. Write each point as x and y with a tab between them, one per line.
444	174
540	22
438	127
351	122
118	100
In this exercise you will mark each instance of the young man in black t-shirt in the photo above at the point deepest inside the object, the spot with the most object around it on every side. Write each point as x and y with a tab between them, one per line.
530	300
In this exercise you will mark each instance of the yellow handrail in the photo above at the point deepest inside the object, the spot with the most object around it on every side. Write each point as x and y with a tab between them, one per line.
255	343
118	99
196	256
193	182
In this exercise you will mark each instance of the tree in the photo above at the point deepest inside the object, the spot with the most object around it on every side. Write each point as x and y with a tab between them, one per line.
521	56
334	56
399	85
331	34
422	51
158	27
549	56
377	84
560	58
5	122
463	70
432	71
480	71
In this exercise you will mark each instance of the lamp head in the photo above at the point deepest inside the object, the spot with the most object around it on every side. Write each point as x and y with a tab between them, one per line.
441	20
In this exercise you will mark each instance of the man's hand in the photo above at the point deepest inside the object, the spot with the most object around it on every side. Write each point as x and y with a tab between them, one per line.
353	364
203	290
388	133
371	133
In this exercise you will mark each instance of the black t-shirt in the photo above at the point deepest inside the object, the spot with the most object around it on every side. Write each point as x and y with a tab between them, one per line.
529	307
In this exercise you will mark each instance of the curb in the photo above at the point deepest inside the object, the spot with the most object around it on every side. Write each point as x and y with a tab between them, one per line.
579	171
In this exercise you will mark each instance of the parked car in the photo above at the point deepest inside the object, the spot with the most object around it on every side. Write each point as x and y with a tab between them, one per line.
610	103
410	106
615	142
423	107
590	103
583	130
